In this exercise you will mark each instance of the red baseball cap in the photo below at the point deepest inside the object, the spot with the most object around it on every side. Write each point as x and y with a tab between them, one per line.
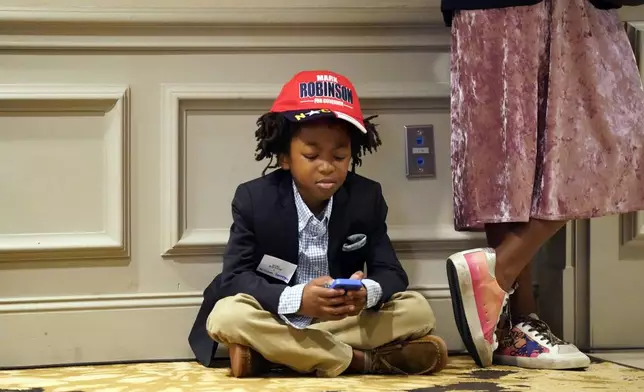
315	94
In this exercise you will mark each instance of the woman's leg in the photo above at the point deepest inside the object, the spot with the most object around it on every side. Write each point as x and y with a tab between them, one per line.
519	246
522	302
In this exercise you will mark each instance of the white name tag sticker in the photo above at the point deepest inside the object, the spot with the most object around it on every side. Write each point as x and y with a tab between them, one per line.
277	268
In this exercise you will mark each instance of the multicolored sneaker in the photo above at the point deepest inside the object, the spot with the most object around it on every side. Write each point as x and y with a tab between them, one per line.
529	343
477	300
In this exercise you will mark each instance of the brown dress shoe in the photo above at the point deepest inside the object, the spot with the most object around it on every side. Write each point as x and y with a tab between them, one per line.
246	362
414	357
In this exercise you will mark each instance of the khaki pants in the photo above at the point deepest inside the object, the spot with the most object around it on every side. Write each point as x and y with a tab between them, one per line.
324	347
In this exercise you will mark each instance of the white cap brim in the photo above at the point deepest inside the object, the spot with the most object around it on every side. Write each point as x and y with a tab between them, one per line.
352	120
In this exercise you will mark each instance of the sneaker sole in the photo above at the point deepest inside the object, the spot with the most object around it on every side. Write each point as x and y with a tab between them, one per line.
465	312
569	363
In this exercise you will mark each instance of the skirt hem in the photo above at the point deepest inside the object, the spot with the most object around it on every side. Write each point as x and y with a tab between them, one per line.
479	224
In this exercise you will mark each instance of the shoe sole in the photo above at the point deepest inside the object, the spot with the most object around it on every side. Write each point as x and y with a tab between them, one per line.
572	362
465	312
441	349
240	361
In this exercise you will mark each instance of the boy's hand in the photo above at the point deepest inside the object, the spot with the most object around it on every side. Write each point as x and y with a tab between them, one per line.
323	303
357	298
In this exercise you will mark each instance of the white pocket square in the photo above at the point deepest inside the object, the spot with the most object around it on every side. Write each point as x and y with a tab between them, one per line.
354	242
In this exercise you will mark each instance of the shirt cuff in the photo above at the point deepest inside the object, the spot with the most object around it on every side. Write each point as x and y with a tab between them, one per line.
374	292
296	321
291	299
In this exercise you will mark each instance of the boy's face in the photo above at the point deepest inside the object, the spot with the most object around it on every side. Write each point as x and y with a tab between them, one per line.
319	160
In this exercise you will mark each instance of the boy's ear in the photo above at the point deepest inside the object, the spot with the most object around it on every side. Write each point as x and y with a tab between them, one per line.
284	162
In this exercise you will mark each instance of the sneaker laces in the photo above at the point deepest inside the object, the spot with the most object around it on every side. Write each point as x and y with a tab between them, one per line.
542	330
505	317
534	324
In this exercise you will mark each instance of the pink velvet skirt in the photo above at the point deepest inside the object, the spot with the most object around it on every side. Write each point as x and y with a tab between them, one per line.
547	115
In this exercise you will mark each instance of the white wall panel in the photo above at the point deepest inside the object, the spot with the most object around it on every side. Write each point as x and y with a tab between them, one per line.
64	168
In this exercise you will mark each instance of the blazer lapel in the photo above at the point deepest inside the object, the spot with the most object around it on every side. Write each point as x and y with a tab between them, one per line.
285	219
338	226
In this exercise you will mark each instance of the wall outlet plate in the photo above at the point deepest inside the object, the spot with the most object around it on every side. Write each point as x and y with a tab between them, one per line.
420	157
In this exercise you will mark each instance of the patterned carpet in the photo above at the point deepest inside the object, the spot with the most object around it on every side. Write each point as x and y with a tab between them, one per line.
461	375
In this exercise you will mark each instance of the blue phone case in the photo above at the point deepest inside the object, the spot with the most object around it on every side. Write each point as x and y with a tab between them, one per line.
346	284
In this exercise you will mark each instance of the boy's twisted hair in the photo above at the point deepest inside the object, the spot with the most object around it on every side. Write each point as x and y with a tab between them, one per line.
274	134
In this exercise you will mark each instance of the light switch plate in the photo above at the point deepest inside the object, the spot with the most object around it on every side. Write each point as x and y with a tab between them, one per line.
420	158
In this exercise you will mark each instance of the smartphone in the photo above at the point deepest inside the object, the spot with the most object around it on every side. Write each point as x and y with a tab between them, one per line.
346	284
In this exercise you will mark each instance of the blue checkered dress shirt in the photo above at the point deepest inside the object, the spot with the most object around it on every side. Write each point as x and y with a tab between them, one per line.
313	241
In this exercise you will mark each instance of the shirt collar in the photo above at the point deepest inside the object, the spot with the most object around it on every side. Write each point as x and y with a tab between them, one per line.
305	215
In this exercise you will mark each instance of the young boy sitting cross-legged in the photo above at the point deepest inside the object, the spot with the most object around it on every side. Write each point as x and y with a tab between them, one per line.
297	229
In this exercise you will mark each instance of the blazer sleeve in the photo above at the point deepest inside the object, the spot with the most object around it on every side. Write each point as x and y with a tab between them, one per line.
239	270
383	265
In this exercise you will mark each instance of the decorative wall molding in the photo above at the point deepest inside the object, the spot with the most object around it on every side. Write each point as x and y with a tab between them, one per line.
632	229
99	302
251	25
635	31
141	301
632	14
179	241
406	240
114	241
228	39
632	224
432	291
226	12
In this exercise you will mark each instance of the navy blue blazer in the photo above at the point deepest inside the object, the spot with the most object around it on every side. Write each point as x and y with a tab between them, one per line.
265	222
